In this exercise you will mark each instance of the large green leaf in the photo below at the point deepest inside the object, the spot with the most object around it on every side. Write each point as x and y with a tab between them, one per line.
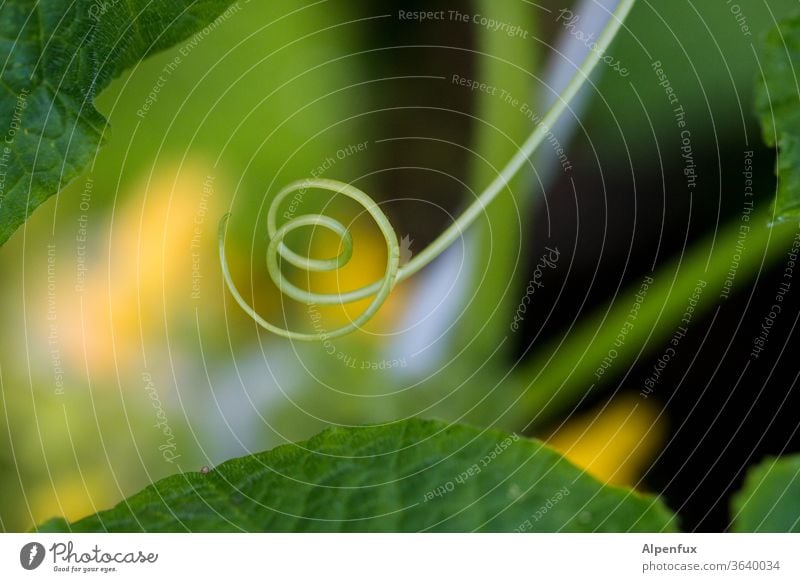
778	105
56	56
770	498
409	476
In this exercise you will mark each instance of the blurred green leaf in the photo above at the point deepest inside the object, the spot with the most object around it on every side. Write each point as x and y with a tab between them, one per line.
57	56
778	106
716	91
770	498
561	372
409	476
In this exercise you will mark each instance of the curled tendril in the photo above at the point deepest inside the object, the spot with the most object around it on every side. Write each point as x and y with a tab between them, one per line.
394	273
277	249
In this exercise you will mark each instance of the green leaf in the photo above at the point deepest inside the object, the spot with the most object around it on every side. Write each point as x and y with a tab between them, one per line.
770	498
778	107
409	476
57	55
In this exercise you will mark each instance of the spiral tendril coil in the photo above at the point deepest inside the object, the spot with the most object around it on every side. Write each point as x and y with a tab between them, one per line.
277	250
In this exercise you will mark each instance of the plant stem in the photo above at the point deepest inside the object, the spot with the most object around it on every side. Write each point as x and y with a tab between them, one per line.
494	250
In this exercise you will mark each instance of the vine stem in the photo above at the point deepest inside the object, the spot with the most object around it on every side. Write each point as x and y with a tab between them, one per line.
394	273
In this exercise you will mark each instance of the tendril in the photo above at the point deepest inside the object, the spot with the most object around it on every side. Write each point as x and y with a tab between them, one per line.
277	249
380	290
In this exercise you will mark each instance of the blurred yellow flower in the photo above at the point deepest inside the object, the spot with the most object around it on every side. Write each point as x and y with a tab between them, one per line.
160	265
365	267
615	442
72	496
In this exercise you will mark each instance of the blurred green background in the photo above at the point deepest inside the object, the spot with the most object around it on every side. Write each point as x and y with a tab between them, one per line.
123	359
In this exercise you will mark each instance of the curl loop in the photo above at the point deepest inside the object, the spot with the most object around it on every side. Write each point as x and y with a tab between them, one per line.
277	250
394	273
